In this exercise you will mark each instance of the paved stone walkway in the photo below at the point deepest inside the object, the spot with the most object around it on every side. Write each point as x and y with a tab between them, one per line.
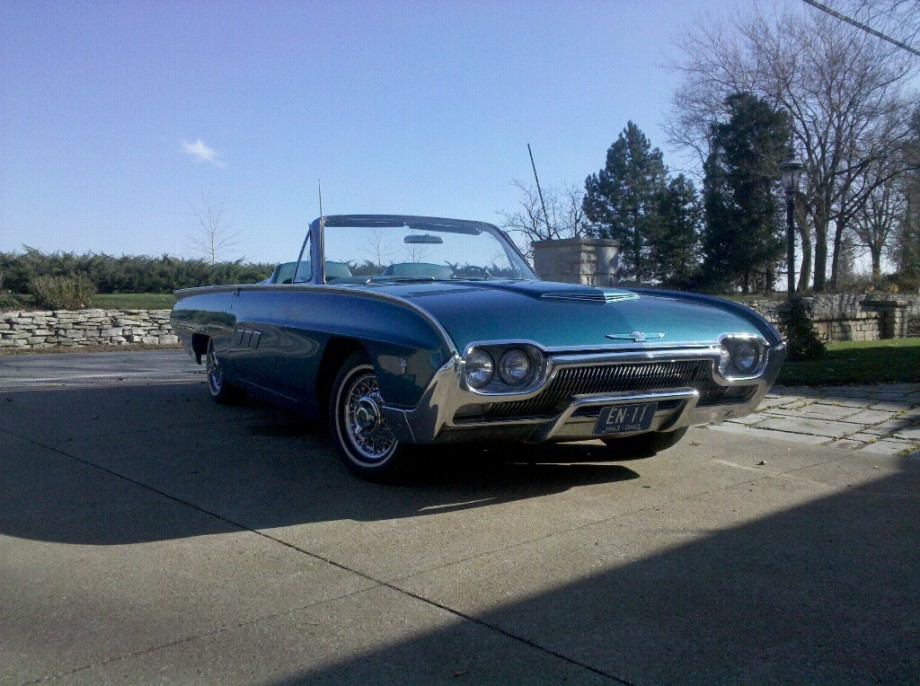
882	419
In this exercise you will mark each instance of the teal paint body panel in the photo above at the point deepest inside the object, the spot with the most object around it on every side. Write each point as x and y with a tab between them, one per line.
294	324
482	311
472	345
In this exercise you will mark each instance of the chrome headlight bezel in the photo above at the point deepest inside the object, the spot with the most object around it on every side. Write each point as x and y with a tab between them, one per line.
741	356
478	368
515	366
519	367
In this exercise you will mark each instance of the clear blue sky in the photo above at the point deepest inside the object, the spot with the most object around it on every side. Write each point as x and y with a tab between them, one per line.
117	117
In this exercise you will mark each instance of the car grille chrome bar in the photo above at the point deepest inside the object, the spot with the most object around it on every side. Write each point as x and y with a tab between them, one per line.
619	377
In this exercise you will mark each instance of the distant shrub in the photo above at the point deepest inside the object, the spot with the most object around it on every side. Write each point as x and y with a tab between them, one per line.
7	300
797	327
62	292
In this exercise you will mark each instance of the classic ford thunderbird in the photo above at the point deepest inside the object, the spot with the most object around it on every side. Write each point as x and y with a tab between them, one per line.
404	331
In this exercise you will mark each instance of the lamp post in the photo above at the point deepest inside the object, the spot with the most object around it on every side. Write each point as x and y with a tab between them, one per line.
791	170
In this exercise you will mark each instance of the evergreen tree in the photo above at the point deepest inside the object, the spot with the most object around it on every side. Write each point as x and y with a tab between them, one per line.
622	200
743	237
676	251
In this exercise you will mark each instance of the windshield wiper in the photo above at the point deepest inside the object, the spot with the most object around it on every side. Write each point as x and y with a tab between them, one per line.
401	279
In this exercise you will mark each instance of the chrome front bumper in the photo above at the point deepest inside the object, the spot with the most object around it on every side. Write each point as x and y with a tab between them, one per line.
435	420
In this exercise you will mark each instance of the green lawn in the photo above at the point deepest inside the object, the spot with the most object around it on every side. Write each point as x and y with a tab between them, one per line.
852	362
119	301
134	301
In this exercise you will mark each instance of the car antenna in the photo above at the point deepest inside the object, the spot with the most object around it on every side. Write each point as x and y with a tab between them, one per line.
549	229
319	185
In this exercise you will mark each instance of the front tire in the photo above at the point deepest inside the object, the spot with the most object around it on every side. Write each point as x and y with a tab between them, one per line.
644	445
222	391
359	430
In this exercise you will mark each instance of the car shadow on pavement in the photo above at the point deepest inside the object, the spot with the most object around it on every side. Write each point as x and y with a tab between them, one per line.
130	464
827	592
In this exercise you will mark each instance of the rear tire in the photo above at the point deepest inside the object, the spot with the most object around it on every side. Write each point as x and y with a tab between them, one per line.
644	445
222	391
359	430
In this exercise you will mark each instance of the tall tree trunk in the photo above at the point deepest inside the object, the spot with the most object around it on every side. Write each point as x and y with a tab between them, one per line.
876	252
839	230
807	256
820	258
835	266
821	217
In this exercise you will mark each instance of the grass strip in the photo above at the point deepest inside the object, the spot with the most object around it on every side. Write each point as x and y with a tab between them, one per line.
857	362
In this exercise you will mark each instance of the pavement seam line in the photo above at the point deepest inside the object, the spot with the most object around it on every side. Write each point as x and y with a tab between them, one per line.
194	637
763	476
379	582
445	608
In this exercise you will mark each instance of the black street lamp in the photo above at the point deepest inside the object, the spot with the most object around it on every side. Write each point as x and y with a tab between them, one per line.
791	170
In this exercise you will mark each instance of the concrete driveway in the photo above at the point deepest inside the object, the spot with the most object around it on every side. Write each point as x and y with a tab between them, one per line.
148	535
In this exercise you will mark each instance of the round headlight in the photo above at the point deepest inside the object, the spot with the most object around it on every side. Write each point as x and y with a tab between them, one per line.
514	367
745	357
725	359
479	368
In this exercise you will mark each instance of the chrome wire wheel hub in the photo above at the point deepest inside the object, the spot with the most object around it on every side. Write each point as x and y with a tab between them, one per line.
215	376
367	429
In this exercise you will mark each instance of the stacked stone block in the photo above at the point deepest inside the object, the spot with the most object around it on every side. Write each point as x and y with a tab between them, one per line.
854	316
76	328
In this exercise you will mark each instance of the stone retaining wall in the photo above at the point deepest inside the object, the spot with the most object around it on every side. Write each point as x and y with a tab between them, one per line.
855	316
76	328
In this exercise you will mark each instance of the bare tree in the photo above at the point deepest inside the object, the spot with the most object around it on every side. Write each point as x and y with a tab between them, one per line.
895	21
876	224
906	253
843	90
565	217
212	236
381	247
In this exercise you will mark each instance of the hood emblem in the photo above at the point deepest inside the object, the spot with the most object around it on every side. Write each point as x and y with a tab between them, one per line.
635	336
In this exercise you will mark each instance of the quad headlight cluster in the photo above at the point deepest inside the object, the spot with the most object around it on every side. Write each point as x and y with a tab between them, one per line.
502	368
740	357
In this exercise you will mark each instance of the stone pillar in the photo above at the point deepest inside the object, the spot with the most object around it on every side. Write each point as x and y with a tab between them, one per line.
586	261
892	316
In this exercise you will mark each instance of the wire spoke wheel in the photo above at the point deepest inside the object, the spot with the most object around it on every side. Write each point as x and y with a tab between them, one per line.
364	440
221	390
364	420
215	375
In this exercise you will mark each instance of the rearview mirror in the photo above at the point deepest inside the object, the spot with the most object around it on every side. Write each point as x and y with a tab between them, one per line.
426	238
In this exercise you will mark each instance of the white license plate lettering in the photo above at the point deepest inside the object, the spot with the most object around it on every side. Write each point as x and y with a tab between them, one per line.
624	418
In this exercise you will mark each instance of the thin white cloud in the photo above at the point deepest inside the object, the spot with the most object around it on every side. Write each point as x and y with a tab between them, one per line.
201	152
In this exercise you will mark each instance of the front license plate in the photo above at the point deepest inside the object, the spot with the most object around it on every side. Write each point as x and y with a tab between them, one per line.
620	418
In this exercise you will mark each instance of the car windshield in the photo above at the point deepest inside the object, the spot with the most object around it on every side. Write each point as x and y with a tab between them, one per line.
419	250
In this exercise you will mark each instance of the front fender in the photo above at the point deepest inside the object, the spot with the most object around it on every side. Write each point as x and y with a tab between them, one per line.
769	332
406	345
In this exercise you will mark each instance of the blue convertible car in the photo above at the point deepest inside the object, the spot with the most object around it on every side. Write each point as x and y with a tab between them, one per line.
406	331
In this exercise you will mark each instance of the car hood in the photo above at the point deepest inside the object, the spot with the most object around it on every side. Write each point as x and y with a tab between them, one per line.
571	317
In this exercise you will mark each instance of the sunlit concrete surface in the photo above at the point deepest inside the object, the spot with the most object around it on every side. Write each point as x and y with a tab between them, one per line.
148	535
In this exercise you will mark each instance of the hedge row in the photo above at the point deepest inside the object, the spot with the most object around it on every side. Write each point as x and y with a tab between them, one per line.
125	274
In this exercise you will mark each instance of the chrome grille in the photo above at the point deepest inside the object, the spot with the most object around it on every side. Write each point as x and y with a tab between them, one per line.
633	377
